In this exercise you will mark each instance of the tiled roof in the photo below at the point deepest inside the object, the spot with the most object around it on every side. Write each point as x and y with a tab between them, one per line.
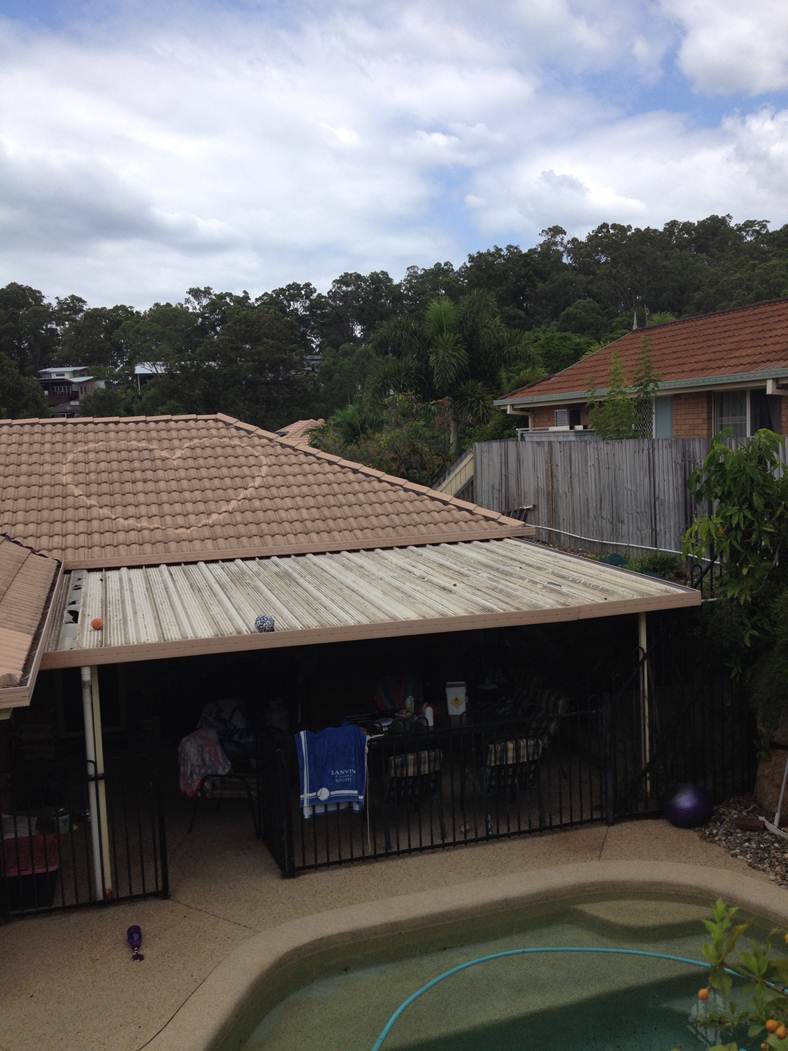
299	433
731	343
144	490
26	580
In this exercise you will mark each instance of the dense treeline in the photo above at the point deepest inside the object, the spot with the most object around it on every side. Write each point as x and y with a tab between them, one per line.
404	371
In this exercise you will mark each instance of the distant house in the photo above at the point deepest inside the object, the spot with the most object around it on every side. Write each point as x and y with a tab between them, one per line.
66	385
145	371
727	370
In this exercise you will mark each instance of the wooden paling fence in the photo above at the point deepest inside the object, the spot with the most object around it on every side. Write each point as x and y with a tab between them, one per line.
631	492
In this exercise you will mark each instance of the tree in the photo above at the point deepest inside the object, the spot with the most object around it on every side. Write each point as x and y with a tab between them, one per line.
613	415
21	397
625	412
448	357
747	531
28	334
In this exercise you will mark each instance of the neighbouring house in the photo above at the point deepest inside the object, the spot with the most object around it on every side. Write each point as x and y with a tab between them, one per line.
300	432
727	370
145	371
66	385
153	566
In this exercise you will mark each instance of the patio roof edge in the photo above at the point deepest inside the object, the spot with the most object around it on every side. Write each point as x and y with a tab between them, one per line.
680	598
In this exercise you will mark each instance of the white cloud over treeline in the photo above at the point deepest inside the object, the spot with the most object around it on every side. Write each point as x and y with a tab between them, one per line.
246	146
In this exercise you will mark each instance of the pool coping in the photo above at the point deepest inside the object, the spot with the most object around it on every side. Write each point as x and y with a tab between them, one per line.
205	1021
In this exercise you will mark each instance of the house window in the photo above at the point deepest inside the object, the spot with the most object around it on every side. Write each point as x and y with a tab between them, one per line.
746	411
764	411
663	417
731	413
569	417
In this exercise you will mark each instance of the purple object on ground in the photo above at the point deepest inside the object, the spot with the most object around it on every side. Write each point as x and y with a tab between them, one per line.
134	938
690	806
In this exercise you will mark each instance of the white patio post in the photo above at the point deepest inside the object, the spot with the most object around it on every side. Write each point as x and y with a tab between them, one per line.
645	700
97	792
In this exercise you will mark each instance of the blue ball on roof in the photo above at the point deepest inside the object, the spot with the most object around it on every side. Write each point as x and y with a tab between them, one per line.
689	807
264	623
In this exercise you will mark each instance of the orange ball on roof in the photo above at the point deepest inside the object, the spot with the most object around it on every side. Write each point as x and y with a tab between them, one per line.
97	623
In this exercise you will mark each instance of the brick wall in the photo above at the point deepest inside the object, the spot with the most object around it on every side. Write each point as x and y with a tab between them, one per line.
692	415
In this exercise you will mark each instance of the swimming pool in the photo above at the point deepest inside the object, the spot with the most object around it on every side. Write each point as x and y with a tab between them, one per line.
513	1002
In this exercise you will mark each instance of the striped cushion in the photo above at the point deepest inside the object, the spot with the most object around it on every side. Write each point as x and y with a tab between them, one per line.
415	764
513	751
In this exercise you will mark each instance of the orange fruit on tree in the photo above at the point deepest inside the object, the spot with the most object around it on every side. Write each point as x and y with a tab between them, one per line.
781	1033
703	994
772	1025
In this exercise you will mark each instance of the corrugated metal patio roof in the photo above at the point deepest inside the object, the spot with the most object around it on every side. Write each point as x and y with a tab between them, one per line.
175	610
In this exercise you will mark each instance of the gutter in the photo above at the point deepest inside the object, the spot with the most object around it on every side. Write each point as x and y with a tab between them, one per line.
668	386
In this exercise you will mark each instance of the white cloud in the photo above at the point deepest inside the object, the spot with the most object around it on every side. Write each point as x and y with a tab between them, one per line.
729	46
644	170
139	157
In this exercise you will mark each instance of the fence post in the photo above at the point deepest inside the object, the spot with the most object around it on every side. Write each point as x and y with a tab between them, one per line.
287	861
162	828
608	733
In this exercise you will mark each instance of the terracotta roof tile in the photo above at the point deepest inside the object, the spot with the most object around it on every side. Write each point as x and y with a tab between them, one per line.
730	343
26	580
129	491
299	433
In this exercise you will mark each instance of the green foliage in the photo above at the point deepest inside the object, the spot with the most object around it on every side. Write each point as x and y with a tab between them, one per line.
21	397
625	411
748	528
747	531
400	436
660	564
759	1000
613	415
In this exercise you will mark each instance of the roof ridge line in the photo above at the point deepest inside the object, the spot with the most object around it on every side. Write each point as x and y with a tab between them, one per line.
70	420
371	472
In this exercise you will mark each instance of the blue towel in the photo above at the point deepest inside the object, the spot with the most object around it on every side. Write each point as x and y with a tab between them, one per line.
332	768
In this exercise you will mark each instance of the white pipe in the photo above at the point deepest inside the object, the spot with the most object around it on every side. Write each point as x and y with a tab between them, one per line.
101	785
90	756
779	810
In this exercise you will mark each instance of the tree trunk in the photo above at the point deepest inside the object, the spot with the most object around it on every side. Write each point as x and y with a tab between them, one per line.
454	434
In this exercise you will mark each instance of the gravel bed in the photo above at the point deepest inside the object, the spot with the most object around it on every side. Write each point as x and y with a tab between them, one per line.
761	850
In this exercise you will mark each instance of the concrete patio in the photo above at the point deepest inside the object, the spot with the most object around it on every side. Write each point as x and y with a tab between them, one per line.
69	984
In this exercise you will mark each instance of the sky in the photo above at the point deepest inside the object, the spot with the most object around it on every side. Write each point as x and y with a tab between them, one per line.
245	144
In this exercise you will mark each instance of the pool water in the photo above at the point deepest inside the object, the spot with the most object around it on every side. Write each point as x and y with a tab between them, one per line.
517	1003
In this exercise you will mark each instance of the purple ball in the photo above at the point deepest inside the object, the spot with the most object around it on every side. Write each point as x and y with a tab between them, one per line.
690	806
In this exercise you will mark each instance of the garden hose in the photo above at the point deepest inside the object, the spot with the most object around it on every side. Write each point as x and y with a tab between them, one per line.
403	1007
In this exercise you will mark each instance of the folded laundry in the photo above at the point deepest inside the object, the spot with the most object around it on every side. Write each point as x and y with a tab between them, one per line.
332	769
200	755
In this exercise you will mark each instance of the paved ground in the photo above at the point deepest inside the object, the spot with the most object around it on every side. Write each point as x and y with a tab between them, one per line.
67	983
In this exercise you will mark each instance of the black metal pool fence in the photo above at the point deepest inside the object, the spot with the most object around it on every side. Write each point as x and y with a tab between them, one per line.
56	856
605	758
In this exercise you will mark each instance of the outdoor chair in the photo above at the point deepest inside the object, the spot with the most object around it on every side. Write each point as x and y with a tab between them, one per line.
239	779
412	775
510	763
233	785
